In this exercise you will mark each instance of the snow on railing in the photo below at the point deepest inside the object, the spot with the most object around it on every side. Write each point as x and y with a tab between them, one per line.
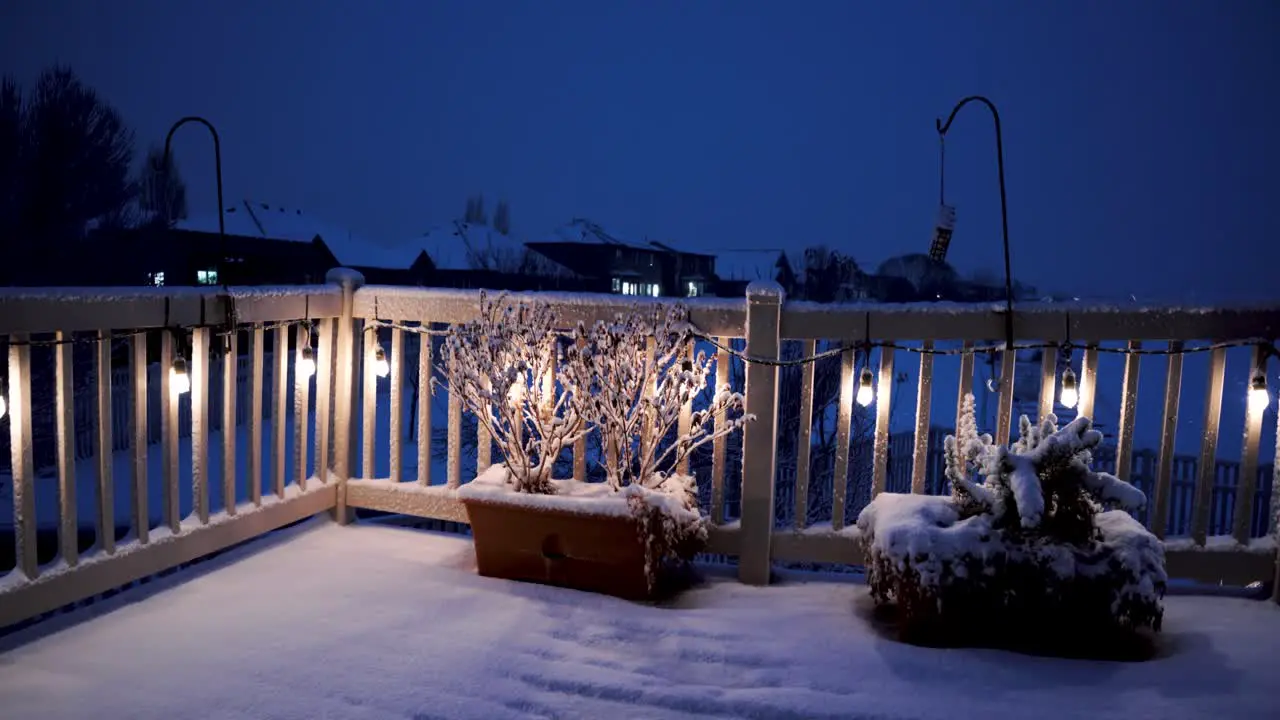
840	416
179	484
837	422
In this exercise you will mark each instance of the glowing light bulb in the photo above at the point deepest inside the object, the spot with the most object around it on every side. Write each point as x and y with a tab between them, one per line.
1070	395
1259	397
179	380
4	407
306	363
380	367
865	392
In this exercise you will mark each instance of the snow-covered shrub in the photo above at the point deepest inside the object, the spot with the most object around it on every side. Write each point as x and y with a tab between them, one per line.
503	367
635	375
634	393
1043	544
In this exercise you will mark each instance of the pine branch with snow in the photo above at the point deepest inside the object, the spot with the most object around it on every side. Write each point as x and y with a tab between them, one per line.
962	453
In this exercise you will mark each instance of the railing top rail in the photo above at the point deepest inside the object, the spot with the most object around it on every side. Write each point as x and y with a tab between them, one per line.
724	317
37	310
1057	322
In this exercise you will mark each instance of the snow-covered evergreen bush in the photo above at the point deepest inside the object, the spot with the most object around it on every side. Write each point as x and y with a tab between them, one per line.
1044	543
503	366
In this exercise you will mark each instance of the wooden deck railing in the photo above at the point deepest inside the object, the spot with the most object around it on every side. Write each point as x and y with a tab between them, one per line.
352	445
184	500
1194	505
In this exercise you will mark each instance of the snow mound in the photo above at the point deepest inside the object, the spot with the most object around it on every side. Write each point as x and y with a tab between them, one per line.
416	633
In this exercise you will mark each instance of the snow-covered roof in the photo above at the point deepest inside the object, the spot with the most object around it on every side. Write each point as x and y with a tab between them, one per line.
355	252
582	230
464	246
747	264
250	218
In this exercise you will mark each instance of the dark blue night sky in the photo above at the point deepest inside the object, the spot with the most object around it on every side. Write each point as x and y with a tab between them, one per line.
1141	137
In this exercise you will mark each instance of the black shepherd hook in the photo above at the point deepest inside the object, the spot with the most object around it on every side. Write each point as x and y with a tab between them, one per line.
1004	214
217	166
222	229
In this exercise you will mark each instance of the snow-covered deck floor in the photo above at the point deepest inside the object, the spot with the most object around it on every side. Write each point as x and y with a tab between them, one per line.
321	621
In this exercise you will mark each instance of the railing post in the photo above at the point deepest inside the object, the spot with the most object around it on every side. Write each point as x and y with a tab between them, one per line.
343	439
760	438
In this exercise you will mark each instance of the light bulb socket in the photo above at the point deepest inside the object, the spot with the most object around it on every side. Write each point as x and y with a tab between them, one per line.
1258	382
865	379
379	355
1068	379
180	365
308	353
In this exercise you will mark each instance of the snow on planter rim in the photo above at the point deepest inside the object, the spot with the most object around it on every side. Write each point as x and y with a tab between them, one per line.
572	496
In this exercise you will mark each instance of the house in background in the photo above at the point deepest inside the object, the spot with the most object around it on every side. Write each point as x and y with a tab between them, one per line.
263	245
472	255
267	245
628	268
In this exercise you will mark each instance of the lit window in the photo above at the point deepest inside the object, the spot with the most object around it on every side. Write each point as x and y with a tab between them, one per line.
617	285
156	278
693	289
206	277
626	287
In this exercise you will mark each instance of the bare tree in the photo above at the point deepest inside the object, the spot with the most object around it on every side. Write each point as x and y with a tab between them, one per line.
73	155
827	275
162	195
475	214
502	218
11	155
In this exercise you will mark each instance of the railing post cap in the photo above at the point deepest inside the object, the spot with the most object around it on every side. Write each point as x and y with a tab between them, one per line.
346	277
765	291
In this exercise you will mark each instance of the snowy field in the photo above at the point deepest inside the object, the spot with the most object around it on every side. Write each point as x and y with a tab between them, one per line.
371	621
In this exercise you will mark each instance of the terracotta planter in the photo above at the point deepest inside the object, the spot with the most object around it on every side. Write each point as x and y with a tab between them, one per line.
595	553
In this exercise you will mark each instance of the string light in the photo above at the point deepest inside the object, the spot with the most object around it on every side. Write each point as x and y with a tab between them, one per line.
307	363
865	392
1070	395
306	366
1259	396
381	367
179	378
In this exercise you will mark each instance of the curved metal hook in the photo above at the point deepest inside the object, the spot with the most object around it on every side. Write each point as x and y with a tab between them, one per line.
222	226
1004	214
942	128
217	158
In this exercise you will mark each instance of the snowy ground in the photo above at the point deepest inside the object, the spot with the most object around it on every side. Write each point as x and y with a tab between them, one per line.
321	621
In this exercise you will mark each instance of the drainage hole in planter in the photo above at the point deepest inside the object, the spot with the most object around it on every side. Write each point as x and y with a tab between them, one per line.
551	549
